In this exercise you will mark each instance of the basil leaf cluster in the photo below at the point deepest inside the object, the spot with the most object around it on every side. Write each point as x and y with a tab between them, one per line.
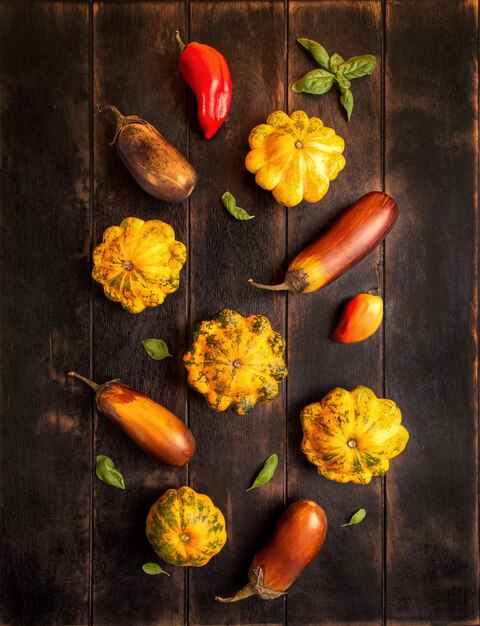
333	69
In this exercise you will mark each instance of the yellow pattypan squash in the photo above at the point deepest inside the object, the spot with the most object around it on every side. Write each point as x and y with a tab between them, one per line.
351	435
295	157
236	361
138	263
185	527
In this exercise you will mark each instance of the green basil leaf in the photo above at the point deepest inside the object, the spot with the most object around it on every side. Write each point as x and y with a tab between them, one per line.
105	470
316	82
317	51
356	518
235	211
153	569
156	348
266	473
335	61
343	82
356	67
346	98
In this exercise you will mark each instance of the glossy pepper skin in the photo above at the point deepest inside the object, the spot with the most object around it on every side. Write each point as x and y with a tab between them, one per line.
156	430
206	72
360	319
349	238
296	541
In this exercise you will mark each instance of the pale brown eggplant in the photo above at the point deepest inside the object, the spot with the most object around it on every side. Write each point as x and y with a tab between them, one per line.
157	166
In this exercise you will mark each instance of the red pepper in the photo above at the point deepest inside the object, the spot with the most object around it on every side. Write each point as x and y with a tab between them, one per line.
206	72
361	318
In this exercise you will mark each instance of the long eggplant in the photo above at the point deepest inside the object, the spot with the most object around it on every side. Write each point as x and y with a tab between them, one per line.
156	430
355	233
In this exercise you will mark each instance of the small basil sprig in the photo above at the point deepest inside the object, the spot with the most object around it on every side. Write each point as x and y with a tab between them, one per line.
105	470
153	569
156	348
235	211
265	475
333	69
356	518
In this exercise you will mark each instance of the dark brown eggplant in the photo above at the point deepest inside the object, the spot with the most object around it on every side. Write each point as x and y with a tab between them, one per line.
296	541
157	166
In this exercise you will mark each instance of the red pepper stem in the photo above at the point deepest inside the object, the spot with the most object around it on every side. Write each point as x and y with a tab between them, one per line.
96	388
181	45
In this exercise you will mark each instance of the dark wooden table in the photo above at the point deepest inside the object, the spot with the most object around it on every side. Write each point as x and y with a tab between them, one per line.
72	547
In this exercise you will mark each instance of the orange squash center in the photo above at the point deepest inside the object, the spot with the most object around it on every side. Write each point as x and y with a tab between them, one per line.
128	265
352	443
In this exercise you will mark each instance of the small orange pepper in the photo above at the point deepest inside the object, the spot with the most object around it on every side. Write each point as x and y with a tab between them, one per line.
361	317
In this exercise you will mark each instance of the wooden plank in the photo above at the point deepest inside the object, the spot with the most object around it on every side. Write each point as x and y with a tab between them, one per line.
45	427
135	68
431	336
224	254
344	586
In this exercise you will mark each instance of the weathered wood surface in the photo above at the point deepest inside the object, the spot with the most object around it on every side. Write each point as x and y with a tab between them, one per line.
72	547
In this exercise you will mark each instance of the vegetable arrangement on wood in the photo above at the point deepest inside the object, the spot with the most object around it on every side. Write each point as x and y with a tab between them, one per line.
236	361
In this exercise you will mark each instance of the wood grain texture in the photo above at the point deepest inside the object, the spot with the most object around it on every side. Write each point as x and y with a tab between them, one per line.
224	254
344	585
71	547
44	315
431	332
135	68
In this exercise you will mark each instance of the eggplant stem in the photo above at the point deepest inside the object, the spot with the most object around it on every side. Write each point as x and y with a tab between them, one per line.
181	45
247	591
109	107
282	287
89	382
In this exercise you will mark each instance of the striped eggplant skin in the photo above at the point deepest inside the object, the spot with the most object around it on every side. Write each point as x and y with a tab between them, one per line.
350	237
185	528
296	541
